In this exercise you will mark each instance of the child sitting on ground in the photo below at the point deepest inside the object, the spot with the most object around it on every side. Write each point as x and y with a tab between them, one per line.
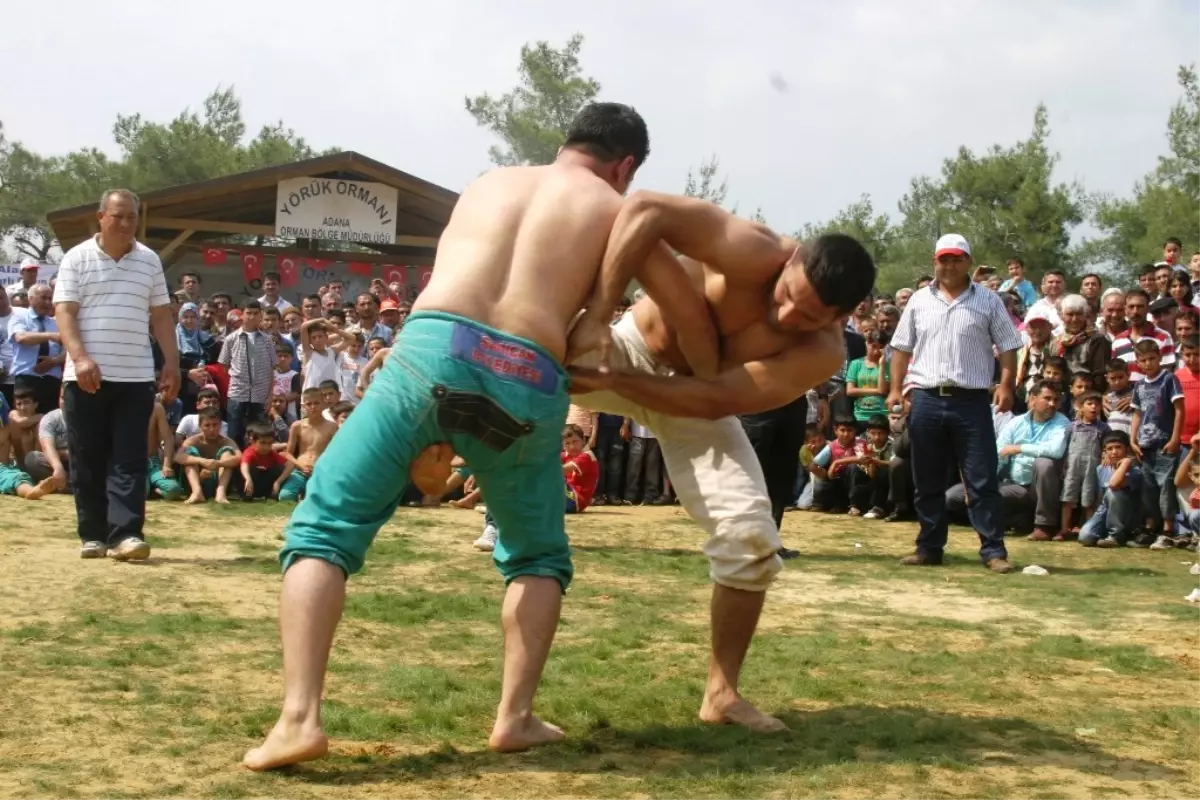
266	473
209	458
1187	482
875	464
14	480
1118	400
1079	488
160	469
1120	477
814	443
280	418
23	421
306	442
189	426
581	472
840	460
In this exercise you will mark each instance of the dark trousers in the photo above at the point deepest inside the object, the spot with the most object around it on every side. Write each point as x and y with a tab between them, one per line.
262	483
644	456
240	414
44	388
777	436
610	453
950	431
107	440
900	477
867	492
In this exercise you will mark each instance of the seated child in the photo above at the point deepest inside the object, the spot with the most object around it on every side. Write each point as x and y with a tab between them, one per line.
280	418
160	473
874	477
1187	481
1120	478
189	426
341	412
839	461
1079	488
210	458
1118	400
14	480
266	473
331	393
23	421
581	471
307	440
806	479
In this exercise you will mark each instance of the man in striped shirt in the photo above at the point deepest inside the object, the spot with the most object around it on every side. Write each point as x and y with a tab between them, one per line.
249	355
110	289
1137	303
944	360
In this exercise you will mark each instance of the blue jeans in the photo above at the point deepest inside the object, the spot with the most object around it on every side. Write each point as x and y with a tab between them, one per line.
240	414
955	430
1158	484
1116	516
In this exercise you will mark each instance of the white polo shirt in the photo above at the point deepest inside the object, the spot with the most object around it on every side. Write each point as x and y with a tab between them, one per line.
115	298
280	304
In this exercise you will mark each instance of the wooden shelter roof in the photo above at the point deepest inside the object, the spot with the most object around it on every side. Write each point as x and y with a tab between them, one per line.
193	214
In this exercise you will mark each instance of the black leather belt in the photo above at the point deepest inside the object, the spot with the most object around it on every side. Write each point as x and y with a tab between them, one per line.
955	391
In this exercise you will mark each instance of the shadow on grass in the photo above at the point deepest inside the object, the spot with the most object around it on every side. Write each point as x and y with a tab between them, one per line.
848	734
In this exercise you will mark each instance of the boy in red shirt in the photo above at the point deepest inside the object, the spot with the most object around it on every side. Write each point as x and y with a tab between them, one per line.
264	469
1189	378
580	470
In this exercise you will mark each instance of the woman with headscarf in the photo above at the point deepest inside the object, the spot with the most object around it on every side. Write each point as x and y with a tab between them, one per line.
194	350
1084	349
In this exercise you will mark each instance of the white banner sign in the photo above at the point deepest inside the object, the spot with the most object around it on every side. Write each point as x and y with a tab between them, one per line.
11	273
336	210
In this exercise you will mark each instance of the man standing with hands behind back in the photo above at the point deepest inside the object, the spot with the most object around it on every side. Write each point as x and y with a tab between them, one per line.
943	359
110	289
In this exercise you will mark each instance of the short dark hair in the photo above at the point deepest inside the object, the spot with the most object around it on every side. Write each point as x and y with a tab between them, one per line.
1147	345
813	429
207	394
336	313
271	276
251	305
876	337
1015	260
1138	291
208	413
1191	342
326	385
190	275
312	391
1042	385
924	279
341	407
1147	269
840	270
1058	362
877	422
610	132
1174	241
1116	365
316	298
574	430
845	422
1081	375
228	298
24	393
271	311
379	339
1055	271
1092	275
1090	394
1118	437
361	295
259	430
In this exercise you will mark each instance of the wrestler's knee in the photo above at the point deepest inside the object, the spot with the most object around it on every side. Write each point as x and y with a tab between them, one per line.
743	553
555	564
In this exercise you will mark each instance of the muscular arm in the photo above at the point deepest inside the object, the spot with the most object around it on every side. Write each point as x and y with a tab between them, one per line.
747	389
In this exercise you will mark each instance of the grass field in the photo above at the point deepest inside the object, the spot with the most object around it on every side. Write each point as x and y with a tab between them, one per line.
150	680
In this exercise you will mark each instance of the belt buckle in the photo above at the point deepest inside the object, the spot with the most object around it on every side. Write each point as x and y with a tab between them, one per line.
945	390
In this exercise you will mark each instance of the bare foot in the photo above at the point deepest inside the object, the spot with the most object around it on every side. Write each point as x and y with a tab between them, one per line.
287	743
513	737
463	503
42	489
739	712
194	499
221	498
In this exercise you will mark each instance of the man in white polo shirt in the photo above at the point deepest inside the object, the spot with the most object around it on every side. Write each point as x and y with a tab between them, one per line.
110	289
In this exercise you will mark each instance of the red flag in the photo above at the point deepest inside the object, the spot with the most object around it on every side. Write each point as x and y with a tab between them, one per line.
318	263
289	271
359	268
394	274
213	255
251	267
423	276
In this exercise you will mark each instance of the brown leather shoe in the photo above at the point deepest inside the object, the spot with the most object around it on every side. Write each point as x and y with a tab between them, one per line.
1040	535
1000	565
919	559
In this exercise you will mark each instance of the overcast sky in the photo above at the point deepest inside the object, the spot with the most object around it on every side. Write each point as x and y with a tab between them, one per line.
865	94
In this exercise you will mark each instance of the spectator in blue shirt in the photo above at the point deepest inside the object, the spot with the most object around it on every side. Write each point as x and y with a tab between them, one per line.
1016	283
1120	507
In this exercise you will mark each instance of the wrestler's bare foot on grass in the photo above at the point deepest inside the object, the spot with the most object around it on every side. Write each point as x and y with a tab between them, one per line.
464	503
221	497
513	736
287	743
194	499
734	710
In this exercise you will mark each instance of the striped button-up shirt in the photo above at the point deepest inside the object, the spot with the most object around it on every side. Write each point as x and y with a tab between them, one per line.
1122	348
250	359
952	341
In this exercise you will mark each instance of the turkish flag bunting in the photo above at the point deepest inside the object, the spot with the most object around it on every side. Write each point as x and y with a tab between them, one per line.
423	276
359	268
289	270
251	266
317	263
213	256
394	274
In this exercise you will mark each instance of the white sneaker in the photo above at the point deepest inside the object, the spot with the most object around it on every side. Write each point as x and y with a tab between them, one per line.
93	550
131	549
871	515
487	540
1163	543
1194	597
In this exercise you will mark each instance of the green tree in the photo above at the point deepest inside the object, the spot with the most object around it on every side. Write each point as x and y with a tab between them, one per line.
705	183
1165	203
533	118
191	147
874	230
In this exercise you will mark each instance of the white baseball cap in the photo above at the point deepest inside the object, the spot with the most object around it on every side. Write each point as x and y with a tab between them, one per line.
29	263
1039	315
951	244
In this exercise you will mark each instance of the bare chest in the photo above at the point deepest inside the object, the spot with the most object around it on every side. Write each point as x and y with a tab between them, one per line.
742	312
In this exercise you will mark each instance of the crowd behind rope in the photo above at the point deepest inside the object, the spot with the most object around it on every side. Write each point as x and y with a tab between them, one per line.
1101	444
266	385
1087	452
